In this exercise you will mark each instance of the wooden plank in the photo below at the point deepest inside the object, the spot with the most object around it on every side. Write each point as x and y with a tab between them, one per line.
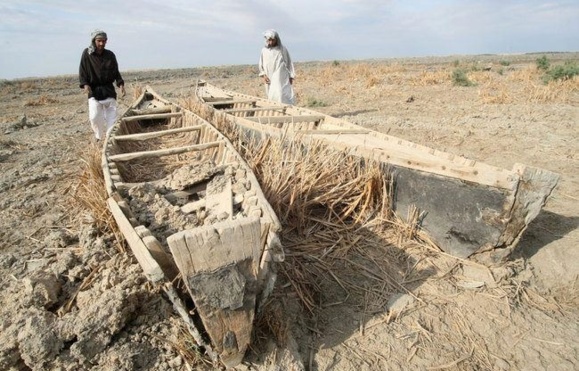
148	111
284	119
231	101
219	200
208	99
155	134
153	116
254	109
219	264
149	265
163	152
333	132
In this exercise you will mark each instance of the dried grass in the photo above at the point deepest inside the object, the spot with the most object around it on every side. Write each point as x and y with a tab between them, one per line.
41	101
90	194
494	92
426	78
186	347
554	91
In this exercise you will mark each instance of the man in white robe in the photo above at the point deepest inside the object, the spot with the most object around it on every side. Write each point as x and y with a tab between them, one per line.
277	69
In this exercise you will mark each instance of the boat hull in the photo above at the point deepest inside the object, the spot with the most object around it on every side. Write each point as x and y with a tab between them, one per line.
467	208
192	211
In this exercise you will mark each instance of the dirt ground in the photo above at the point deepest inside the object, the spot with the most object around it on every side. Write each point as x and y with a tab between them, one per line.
70	300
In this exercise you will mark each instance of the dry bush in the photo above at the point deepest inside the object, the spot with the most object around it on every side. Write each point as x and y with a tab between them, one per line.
495	92
41	101
525	75
426	78
137	91
482	77
90	194
186	347
27	85
554	91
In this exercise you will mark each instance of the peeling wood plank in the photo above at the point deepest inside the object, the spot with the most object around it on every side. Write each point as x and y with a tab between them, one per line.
230	101
254	109
154	116
284	119
149	111
163	152
156	134
150	266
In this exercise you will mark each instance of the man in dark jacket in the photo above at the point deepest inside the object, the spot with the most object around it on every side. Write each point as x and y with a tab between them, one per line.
97	72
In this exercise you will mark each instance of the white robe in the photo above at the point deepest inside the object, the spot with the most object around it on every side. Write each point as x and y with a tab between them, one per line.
276	64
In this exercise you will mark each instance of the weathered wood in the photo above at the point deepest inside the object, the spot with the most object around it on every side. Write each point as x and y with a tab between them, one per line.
153	116
230	101
156	134
193	206
157	252
284	119
219	264
150	266
152	110
162	152
254	109
333	132
219	201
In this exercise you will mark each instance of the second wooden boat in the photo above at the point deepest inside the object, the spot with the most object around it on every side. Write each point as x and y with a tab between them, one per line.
469	208
191	208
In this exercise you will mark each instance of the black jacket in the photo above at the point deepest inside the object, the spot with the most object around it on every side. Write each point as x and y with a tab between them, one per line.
100	71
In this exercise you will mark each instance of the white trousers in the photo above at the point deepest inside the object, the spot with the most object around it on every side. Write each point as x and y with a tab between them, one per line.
102	115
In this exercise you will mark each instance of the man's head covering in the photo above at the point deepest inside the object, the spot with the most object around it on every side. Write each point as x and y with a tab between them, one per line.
272	34
93	36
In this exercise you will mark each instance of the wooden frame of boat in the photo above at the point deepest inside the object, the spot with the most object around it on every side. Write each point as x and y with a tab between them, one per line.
225	238
469	209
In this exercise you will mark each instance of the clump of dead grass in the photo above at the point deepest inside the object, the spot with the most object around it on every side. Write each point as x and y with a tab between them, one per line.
495	92
186	347
427	78
90	195
41	101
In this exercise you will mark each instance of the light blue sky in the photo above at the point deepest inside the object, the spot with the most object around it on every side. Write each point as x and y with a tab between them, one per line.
46	38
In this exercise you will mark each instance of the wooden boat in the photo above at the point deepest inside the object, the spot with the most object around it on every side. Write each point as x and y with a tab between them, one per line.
189	206
469	209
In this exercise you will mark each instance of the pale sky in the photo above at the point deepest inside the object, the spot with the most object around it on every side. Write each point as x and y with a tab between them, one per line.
40	38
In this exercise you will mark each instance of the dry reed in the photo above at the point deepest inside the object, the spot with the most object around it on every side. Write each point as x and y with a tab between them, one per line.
90	194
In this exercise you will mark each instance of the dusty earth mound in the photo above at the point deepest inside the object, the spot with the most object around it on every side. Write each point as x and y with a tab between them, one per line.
72	300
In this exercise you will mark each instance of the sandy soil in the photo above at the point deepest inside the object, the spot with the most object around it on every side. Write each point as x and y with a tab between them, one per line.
71	301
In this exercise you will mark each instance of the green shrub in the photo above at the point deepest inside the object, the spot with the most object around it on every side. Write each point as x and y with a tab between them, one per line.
564	72
505	63
543	63
335	63
313	102
459	78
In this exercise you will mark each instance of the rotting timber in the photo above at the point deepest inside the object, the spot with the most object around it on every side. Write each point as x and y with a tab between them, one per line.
194	215
469	209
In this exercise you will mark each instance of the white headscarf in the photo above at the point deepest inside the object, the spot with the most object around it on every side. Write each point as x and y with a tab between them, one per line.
93	36
272	34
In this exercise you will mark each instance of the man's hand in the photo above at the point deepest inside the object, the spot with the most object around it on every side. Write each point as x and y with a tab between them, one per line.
123	92
87	89
266	79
